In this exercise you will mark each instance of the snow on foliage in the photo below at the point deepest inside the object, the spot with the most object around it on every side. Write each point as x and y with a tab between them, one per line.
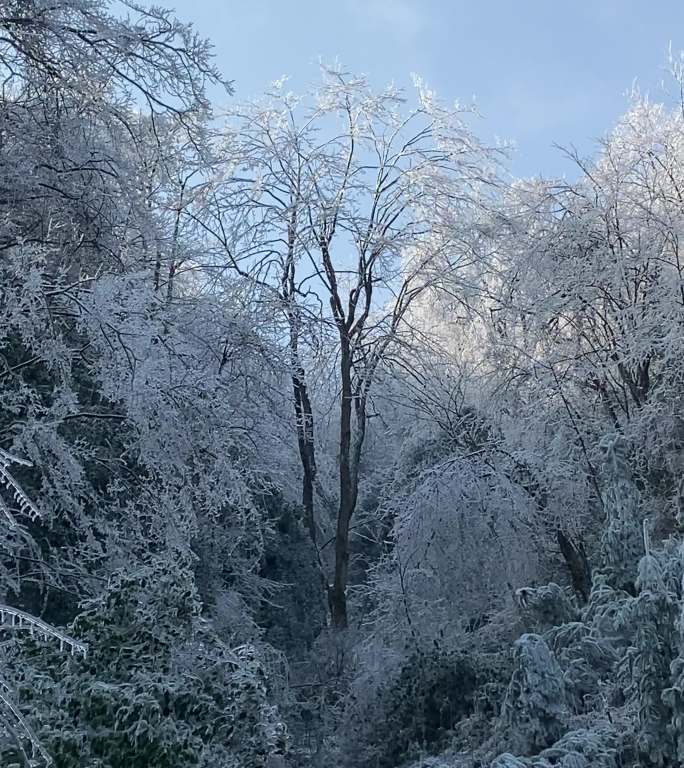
534	710
326	358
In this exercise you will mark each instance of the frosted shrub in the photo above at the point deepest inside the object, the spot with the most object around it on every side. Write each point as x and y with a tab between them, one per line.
535	706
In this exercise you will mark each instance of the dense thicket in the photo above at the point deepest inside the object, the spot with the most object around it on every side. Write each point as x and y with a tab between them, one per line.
322	442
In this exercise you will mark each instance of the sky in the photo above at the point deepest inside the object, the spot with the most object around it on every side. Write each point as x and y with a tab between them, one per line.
541	73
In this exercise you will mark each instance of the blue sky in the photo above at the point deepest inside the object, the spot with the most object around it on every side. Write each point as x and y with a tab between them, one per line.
541	72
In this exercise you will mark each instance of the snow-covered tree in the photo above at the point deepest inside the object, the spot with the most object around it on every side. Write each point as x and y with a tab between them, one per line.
535	708
340	230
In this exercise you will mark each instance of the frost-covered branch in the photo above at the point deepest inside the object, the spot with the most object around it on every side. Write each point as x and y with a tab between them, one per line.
18	727
7	480
13	618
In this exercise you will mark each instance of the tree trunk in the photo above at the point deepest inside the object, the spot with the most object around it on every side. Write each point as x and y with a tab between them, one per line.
307	455
578	564
338	597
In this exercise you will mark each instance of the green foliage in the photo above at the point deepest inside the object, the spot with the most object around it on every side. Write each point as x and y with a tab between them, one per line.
417	709
157	687
295	616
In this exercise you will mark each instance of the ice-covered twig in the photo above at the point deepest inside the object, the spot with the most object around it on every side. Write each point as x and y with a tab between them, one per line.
26	506
18	727
16	619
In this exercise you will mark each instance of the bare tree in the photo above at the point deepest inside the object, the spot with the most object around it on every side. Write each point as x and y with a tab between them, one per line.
341	215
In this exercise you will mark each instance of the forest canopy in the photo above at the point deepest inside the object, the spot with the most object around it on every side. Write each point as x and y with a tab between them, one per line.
323	440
